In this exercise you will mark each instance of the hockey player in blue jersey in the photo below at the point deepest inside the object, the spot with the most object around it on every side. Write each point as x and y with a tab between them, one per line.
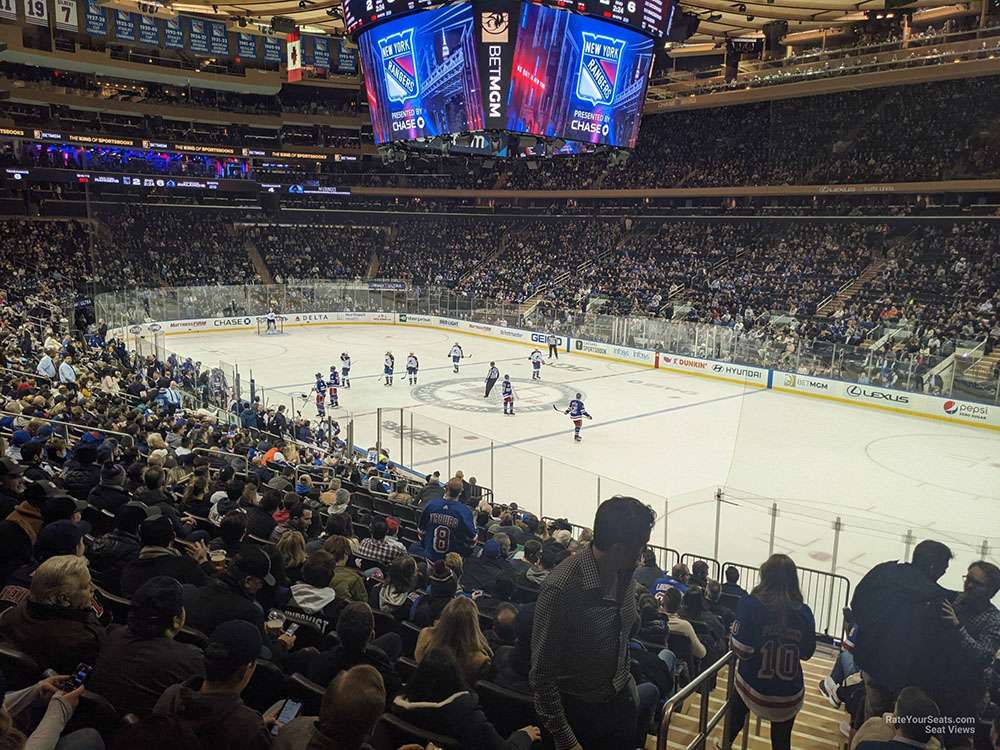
332	384
577	411
507	391
773	633
320	390
412	365
345	369
388	367
447	524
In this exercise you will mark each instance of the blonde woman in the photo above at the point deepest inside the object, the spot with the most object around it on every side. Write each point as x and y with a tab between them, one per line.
292	547
458	631
56	624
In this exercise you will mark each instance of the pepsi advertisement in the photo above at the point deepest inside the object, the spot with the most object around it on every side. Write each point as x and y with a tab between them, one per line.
421	75
577	78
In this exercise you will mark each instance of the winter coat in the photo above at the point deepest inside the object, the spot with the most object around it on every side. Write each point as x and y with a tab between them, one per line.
220	720
459	716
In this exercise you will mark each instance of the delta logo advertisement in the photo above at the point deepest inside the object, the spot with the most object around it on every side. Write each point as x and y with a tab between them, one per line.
599	63
979	412
399	67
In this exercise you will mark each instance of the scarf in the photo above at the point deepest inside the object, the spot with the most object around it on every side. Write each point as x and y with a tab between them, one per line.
148	553
28	518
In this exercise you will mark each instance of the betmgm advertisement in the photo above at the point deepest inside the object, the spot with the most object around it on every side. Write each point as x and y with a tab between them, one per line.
421	76
577	78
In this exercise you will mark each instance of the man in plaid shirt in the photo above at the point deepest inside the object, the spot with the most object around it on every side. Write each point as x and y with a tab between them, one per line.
381	546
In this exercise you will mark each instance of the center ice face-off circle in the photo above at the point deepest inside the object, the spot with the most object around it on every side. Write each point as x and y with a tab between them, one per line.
466	394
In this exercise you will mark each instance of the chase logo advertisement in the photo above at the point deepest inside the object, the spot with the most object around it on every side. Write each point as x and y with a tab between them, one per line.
398	66
577	78
421	75
598	75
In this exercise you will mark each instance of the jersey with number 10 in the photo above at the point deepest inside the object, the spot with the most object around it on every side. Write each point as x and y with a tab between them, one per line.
448	526
769	678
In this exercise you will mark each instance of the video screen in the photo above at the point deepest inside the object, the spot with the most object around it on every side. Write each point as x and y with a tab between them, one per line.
577	78
421	75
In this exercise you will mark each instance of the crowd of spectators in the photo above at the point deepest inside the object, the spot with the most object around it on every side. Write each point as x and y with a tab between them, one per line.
306	251
148	246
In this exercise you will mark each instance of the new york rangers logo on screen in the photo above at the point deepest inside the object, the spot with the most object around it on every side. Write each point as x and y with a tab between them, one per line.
598	79
399	67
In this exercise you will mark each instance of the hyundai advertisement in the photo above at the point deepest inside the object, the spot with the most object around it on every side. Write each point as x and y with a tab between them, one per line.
577	78
421	75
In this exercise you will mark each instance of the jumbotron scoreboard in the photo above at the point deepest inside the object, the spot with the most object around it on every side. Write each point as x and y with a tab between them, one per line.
650	16
565	72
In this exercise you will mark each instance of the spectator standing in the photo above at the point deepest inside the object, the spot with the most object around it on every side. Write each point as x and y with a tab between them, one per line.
774	631
447	524
586	610
898	610
67	373
732	584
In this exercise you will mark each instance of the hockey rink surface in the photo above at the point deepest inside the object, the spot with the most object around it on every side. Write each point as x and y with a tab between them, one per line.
668	438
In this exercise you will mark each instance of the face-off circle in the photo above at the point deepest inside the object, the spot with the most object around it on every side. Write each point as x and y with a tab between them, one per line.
466	394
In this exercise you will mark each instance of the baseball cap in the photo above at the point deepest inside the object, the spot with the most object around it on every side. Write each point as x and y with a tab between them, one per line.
240	641
156	531
58	538
20	437
10	468
279	483
252	560
160	595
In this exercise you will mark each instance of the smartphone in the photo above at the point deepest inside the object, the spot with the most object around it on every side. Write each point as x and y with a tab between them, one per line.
288	712
77	678
290	630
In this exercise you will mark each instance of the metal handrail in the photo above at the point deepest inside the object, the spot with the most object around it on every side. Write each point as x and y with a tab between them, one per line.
25	372
82	427
702	685
210	452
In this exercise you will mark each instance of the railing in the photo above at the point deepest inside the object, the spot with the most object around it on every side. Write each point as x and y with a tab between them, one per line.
72	428
702	685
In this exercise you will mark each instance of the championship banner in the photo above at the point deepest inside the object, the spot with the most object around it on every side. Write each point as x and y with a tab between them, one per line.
294	56
496	31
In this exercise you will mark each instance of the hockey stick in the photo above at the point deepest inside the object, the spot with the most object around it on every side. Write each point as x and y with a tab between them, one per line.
561	411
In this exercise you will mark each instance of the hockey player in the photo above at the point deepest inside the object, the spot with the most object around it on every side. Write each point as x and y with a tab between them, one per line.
507	391
272	321
389	366
412	365
332	385
456	355
536	365
345	369
577	411
491	378
320	390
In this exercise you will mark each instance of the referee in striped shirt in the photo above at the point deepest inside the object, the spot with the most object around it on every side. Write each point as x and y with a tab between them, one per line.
584	692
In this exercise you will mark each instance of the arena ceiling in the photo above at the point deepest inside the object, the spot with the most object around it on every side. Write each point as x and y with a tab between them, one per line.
719	18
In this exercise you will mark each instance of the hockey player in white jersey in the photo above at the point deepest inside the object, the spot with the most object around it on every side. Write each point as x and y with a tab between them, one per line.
456	355
412	365
536	365
388	367
345	369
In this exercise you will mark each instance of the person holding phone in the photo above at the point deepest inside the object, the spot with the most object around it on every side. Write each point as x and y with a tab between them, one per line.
61	695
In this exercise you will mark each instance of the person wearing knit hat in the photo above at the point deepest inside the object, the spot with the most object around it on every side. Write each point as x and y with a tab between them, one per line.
111	493
442	587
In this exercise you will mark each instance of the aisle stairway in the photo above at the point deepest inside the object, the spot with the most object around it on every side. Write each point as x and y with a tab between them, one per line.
816	727
839	300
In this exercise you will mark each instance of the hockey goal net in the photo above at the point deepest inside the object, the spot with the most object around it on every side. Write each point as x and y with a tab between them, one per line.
276	326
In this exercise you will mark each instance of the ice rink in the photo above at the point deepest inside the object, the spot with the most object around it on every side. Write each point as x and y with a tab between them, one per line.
671	439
